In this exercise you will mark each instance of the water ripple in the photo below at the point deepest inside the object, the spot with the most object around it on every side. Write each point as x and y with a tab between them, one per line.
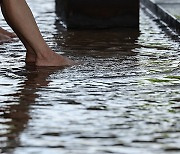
124	98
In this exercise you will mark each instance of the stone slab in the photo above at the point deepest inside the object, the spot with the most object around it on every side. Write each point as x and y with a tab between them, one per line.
167	10
98	13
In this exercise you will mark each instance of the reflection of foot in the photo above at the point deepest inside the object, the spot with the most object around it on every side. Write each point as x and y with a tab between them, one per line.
54	59
5	32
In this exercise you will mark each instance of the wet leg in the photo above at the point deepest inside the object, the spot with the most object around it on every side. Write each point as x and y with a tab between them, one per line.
5	32
30	54
5	36
20	18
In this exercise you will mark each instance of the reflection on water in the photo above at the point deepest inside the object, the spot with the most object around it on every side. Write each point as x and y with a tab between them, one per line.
123	99
16	109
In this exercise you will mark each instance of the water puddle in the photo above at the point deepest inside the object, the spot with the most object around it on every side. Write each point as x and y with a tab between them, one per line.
124	98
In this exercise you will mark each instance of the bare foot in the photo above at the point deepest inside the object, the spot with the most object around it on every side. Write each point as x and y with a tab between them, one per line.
4	38
30	58
5	32
54	59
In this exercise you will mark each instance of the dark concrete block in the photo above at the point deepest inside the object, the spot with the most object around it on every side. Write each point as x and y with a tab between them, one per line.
98	13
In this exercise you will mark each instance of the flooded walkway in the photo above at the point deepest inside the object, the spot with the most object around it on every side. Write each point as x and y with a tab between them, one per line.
123	99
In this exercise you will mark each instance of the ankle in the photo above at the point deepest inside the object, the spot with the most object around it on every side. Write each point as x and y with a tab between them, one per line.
45	55
43	51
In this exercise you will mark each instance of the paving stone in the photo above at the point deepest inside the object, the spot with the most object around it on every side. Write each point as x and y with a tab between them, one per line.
167	10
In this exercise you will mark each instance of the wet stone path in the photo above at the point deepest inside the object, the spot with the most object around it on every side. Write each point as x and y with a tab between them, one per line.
123	99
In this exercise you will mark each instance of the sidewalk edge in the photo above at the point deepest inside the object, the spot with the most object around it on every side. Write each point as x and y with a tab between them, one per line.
161	13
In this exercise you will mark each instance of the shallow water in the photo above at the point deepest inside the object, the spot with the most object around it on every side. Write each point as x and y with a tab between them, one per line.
123	99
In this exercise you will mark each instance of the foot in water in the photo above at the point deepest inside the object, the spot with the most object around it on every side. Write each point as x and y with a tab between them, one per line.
6	36
54	59
48	59
30	57
6	33
5	39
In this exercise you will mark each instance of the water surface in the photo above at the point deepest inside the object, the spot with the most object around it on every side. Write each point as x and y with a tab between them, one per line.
123	99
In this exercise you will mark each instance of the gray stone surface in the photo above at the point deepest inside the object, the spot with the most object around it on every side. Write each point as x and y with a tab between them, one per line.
171	6
166	1
167	10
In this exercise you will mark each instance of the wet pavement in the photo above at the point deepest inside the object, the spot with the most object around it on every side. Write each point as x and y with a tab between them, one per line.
171	6
123	99
167	11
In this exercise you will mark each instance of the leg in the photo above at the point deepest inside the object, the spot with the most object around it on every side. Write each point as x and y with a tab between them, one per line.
4	34
20	18
30	54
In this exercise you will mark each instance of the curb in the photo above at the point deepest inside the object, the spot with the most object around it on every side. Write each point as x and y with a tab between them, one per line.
164	15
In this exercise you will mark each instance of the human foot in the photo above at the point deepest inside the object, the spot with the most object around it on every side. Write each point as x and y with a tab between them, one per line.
4	38
5	32
30	58
54	59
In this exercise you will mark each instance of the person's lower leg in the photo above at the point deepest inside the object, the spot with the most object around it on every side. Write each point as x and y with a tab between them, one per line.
6	34
30	54
20	18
